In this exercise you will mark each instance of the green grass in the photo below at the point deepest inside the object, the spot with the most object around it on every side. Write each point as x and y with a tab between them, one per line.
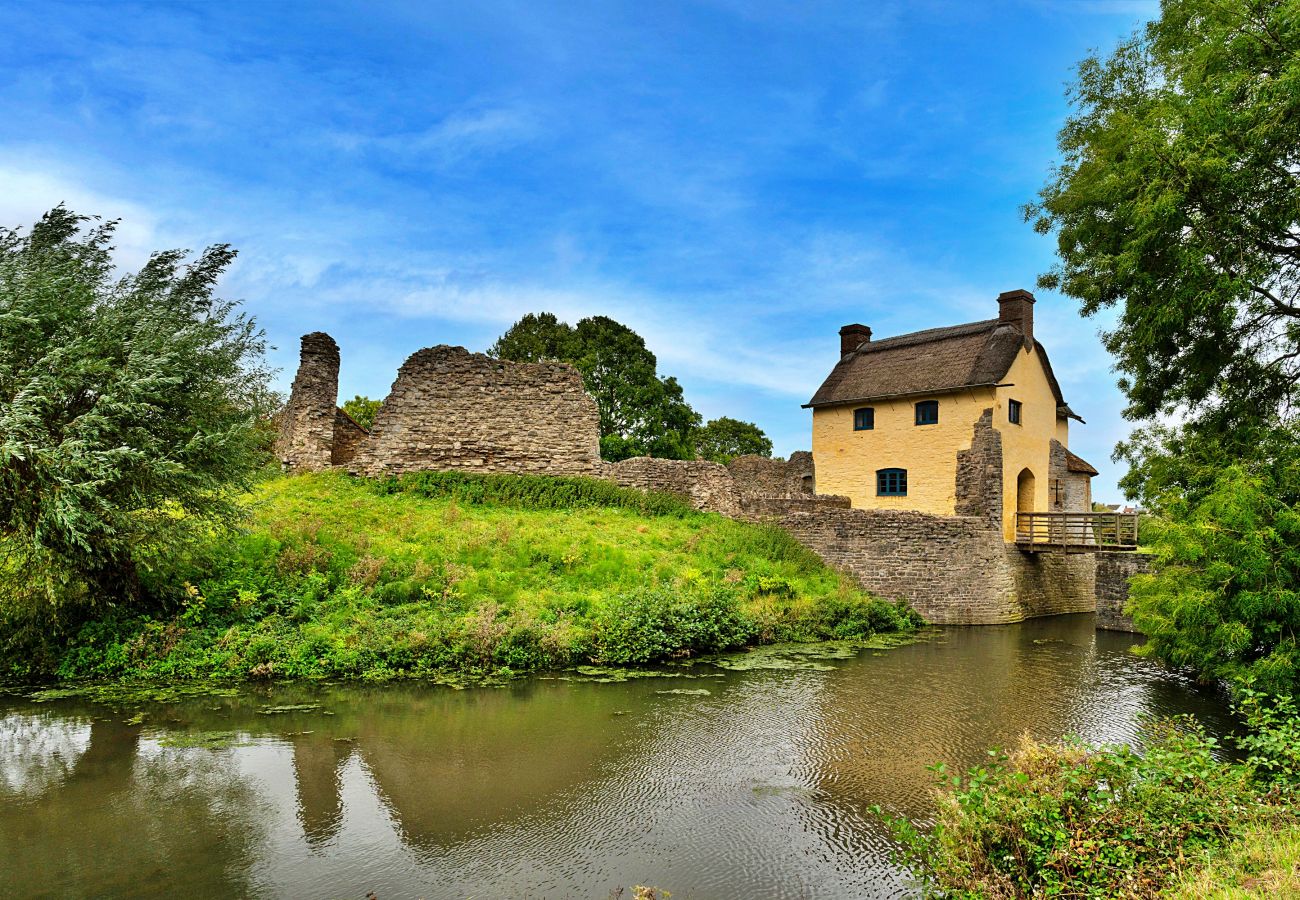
1263	863
436	574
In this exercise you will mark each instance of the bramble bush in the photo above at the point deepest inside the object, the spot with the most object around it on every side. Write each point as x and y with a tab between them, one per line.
1067	820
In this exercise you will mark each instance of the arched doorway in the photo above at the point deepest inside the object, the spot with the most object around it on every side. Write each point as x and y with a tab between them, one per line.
1024	497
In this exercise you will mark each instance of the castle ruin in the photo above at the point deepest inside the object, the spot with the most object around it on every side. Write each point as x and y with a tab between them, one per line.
453	410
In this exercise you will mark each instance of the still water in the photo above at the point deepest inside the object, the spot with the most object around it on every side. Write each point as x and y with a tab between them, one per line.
759	788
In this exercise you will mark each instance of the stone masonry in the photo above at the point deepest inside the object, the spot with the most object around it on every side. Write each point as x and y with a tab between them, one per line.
952	570
306	439
979	473
1113	573
451	409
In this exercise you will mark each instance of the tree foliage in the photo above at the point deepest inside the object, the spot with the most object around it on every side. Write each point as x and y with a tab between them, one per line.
724	438
1177	203
363	410
131	411
1226	597
1178	200
641	414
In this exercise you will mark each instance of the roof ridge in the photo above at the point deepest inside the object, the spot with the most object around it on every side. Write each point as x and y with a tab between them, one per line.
926	335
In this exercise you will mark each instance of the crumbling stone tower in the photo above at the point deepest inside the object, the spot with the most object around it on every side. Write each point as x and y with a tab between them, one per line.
306	439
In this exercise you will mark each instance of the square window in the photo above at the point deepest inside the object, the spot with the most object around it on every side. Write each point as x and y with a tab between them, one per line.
927	412
891	483
864	419
1013	412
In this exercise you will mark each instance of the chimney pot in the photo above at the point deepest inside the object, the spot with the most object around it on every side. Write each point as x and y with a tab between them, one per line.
1016	308
852	337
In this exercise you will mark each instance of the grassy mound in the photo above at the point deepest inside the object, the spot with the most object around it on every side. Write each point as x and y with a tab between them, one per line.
435	573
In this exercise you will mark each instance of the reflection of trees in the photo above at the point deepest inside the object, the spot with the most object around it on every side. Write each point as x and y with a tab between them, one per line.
38	750
448	762
131	823
973	689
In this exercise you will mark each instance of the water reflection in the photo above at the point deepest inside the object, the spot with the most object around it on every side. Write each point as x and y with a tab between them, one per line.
548	788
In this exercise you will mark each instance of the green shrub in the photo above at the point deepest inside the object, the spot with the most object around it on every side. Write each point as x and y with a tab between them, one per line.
656	623
1069	821
1066	820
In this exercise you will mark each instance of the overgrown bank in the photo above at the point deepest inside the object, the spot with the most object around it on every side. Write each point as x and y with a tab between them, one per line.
1170	819
434	574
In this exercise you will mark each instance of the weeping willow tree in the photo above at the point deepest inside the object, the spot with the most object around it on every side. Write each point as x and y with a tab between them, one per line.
130	414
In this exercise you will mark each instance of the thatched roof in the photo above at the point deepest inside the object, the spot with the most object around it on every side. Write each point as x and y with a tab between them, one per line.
934	361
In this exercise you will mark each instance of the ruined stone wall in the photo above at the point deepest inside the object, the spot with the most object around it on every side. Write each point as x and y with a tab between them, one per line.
306	438
349	437
775	508
759	476
979	473
451	409
1113	573
707	485
954	570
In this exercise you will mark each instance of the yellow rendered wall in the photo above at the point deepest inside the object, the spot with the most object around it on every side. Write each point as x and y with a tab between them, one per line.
847	460
1027	445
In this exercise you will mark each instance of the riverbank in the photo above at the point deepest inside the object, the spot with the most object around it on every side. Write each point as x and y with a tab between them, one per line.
1171	817
432	575
751	779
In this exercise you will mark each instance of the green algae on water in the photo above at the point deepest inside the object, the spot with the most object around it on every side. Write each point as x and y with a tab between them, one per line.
203	740
128	694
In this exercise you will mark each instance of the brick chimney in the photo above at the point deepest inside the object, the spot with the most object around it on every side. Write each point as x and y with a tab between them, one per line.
1016	308
852	337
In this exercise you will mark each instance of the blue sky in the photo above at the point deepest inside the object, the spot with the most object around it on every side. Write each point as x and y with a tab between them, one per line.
733	179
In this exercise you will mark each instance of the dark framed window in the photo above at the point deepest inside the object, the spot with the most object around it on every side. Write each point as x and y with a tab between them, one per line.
864	419
1013	412
927	412
891	483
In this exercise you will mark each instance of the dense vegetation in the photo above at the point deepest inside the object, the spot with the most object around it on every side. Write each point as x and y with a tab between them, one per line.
1177	203
130	411
1065	820
441	573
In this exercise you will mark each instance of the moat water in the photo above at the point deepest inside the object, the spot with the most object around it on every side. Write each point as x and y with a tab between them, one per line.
759	788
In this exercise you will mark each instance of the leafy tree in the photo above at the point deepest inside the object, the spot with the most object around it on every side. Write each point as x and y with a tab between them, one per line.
1178	204
1226	599
130	412
641	414
363	410
1178	201
724	438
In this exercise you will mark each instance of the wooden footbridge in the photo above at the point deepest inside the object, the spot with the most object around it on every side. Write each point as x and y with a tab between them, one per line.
1076	532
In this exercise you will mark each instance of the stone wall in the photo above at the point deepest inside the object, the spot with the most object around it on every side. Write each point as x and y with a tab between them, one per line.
952	570
451	409
775	508
349	437
760	476
1050	584
707	485
306	438
1057	476
1113	573
979	473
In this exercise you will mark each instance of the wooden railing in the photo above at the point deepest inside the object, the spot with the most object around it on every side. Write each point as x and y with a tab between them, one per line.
1077	531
